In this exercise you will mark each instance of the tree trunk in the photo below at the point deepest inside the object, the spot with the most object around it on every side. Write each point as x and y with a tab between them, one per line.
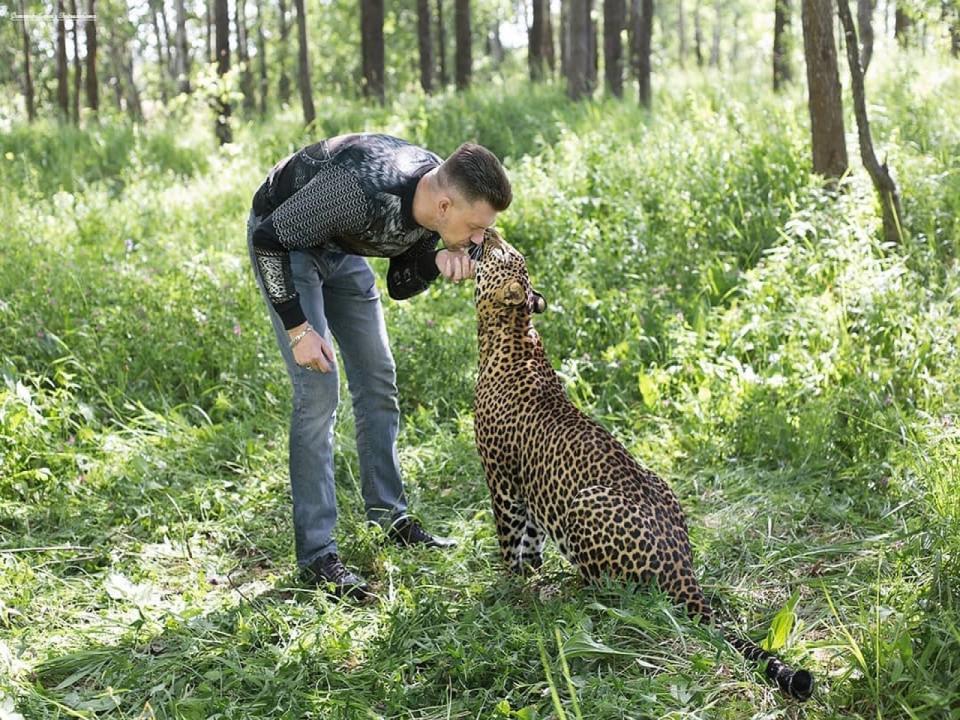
823	86
698	34
77	65
161	72
63	93
717	25
643	31
865	21
166	37
614	20
782	71
681	35
548	53
564	38
593	50
284	84
735	50
578	49
93	89
183	52
27	75
221	13
425	44
208	17
882	181
536	50
955	33
262	58
243	56
442	46
371	47
306	89
464	63
134	106
901	25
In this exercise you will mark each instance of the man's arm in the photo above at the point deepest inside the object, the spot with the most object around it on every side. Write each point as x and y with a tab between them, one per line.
330	205
412	272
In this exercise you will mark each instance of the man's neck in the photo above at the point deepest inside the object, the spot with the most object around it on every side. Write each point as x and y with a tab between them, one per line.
423	205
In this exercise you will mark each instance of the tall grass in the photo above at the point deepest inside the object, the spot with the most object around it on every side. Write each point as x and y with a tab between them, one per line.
743	331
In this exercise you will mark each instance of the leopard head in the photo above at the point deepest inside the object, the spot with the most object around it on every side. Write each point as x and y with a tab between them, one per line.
503	284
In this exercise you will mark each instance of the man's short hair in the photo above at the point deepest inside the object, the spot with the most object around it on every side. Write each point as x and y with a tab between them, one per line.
478	175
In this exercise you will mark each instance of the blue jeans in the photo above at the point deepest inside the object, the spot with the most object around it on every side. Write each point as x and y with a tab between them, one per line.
339	296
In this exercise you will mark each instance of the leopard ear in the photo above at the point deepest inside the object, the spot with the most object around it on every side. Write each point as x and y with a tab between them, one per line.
512	294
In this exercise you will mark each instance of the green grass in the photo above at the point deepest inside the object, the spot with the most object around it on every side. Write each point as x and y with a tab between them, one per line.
742	331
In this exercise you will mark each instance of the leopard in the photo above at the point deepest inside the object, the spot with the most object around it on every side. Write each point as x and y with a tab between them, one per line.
553	471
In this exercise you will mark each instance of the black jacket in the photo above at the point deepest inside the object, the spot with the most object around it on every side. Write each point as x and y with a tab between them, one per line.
353	193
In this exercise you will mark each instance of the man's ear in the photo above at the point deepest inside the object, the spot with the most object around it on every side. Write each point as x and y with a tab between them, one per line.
511	294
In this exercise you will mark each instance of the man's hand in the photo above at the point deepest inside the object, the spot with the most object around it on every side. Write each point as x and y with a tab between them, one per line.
312	352
456	265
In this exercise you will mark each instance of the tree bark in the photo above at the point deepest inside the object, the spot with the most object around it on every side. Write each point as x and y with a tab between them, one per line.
134	106
614	20
77	65
681	35
243	56
782	71
902	22
536	45
955	33
262	58
883	183
306	89
548	53
442	46
698	34
643	31
183	52
425	45
284	84
464	65
222	104
27	75
63	93
166	36
717	25
371	46
593	49
578	48
161	61
208	18
823	86
564	38
865	21
93	89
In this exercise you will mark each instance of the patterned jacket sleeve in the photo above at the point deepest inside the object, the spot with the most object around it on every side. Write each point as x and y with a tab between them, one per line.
412	272
331	205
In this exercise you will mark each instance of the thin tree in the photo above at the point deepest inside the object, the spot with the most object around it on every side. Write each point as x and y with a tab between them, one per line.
698	34
950	12
578	48
221	14
93	89
717	26
208	17
464	55
643	31
564	38
284	83
823	88
262	58
865	21
371	45
27	75
243	55
593	49
77	65
63	98
167	40
782	71
306	90
425	45
614	21
442	45
161	58
548	52
183	52
902	21
536	40
681	35
883	183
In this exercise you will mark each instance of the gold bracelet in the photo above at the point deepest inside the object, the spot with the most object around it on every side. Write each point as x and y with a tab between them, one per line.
300	336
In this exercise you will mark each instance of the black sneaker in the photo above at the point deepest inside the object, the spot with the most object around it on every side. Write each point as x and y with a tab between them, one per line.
329	572
407	531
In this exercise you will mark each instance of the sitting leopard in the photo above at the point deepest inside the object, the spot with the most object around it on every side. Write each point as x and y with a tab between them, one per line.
553	471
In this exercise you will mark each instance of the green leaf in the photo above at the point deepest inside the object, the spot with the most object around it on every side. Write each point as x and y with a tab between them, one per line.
781	626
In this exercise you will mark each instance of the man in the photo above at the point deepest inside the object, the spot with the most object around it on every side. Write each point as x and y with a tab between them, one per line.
318	211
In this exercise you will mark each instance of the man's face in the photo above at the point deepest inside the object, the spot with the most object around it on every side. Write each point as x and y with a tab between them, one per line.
463	223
